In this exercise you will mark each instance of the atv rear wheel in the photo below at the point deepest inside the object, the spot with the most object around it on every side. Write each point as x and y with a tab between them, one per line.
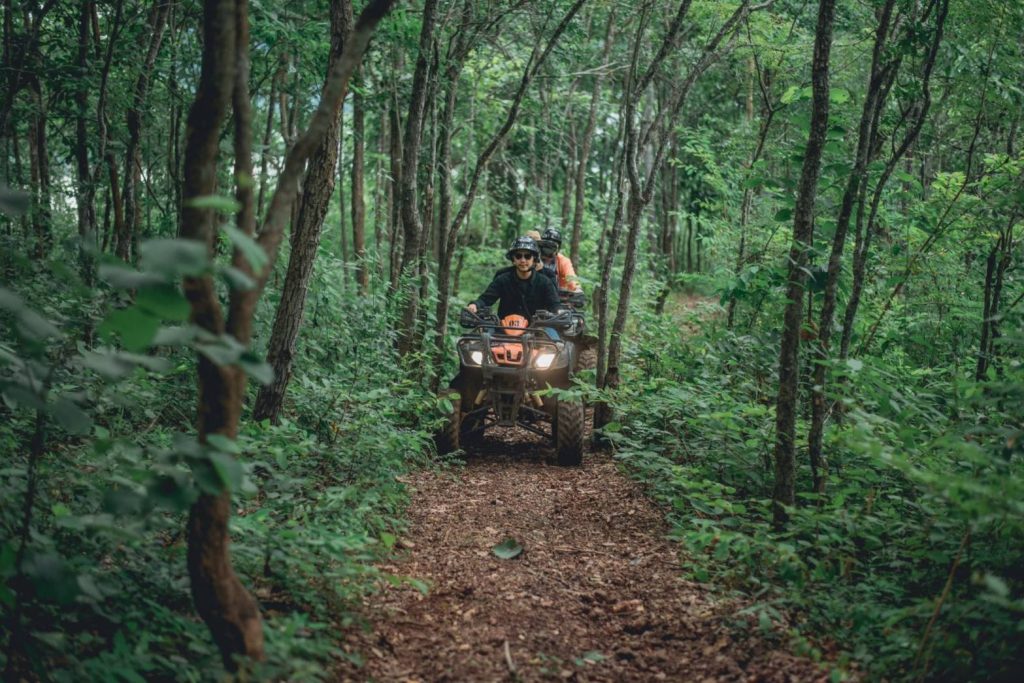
587	360
447	437
569	433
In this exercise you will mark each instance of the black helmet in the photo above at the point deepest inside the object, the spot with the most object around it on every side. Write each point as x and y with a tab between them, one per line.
552	235
523	244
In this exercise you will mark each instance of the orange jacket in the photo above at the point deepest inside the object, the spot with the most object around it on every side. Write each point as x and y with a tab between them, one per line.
566	273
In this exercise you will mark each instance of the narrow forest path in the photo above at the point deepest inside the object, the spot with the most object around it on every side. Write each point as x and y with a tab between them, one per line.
596	594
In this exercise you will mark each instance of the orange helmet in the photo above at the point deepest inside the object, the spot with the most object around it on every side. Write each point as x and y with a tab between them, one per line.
514	324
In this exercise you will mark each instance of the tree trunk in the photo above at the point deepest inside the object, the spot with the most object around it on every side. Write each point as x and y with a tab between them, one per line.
227	608
305	239
585	144
358	202
268	130
874	100
395	196
128	238
916	122
342	224
85	195
39	171
412	223
222	601
803	225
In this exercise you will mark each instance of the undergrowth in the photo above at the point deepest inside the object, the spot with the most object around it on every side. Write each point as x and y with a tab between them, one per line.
104	591
910	566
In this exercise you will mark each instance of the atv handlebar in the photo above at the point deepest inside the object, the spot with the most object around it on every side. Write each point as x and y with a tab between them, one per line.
573	297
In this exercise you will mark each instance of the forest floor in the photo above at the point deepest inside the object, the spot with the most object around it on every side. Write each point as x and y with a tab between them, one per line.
595	595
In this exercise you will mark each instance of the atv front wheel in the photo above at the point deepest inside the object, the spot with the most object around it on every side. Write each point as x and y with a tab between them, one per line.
447	437
569	433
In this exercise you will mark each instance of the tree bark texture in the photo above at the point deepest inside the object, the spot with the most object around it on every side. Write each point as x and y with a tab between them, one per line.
583	159
222	601
873	101
127	239
412	222
305	238
85	194
358	190
919	113
803	225
224	604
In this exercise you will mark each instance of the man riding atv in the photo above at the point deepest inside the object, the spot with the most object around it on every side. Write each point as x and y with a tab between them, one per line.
507	360
519	289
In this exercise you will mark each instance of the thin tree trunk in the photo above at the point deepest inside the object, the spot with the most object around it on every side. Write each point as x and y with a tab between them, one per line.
129	236
85	195
580	182
342	218
920	113
268	129
412	222
803	225
358	174
305	238
222	601
394	195
873	101
39	171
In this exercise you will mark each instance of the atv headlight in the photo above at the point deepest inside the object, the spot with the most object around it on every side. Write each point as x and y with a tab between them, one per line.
471	352
544	360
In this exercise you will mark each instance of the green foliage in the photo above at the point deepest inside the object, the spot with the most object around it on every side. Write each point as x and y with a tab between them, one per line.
925	486
101	585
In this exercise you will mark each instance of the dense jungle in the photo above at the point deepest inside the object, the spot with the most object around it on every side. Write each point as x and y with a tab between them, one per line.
258	421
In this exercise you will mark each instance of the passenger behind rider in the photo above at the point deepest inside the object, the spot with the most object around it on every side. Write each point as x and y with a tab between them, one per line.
521	289
556	265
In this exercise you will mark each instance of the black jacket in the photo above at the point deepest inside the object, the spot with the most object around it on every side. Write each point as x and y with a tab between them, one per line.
524	297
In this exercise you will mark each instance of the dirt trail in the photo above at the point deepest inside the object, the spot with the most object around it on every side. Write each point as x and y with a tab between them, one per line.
596	594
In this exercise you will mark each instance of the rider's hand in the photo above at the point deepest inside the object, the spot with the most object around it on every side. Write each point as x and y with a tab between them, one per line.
471	308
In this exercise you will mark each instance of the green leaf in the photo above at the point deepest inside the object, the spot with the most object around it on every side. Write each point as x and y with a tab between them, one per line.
507	549
123	277
223	443
215	202
228	469
16	394
838	96
72	418
996	585
135	327
252	251
783	215
236	279
164	301
178	335
256	368
854	364
225	350
174	258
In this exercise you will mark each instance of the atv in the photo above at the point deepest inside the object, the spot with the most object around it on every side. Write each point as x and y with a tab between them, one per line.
503	364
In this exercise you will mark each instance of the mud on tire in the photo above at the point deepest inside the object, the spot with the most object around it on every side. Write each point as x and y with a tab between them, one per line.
587	360
569	433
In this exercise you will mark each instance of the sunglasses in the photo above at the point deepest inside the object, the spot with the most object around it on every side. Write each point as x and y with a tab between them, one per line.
523	256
